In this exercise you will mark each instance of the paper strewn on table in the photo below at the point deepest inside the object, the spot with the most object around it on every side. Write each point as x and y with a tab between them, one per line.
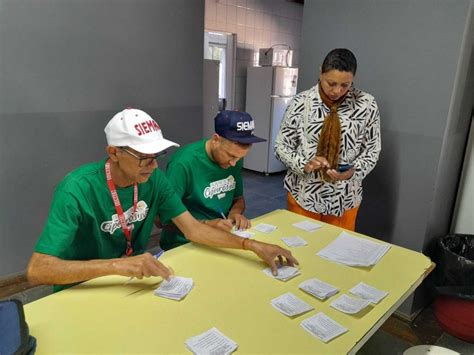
307	226
354	251
295	241
176	288
243	234
318	288
265	228
350	305
290	305
322	327
284	272
368	292
211	342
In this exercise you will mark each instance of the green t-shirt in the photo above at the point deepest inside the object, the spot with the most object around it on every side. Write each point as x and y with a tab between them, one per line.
83	224
204	187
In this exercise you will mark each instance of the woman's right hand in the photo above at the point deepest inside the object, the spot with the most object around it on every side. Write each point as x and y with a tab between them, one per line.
316	164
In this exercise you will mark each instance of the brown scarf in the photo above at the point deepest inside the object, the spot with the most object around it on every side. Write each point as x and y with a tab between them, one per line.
330	138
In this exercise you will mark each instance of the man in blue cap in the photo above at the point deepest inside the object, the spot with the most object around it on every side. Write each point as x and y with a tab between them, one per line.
207	176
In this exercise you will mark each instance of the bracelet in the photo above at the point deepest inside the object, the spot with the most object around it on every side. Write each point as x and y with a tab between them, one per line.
243	243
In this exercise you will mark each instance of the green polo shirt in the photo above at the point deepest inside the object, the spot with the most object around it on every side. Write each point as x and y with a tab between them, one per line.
83	224
203	186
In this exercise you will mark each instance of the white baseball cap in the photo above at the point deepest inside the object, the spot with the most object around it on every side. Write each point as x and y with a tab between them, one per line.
136	129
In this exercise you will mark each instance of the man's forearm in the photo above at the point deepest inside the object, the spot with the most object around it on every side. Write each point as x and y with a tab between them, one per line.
50	270
204	234
200	233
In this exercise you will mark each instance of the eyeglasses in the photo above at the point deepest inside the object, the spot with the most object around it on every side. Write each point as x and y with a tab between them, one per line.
144	161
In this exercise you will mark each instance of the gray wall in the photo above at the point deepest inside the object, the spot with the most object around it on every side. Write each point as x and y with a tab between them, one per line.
66	67
416	58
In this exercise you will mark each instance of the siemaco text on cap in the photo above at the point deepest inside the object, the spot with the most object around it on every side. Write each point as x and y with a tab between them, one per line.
147	127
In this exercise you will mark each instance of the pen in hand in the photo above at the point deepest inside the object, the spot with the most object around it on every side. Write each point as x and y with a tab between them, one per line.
224	216
156	256
221	213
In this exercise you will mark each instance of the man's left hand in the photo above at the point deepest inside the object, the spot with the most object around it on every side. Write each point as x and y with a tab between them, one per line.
240	221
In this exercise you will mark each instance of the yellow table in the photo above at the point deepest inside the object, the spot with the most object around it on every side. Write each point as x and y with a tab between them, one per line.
231	293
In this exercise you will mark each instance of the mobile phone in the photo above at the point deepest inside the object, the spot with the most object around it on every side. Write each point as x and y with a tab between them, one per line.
344	167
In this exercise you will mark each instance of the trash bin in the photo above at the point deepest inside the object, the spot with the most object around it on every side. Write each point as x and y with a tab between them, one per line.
454	305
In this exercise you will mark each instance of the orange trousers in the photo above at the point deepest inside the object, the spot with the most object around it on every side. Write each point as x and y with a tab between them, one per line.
347	220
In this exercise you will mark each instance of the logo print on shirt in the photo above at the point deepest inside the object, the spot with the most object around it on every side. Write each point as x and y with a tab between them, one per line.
114	224
219	187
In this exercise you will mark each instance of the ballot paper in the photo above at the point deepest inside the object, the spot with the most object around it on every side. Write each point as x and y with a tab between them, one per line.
348	304
265	228
322	327
318	288
294	241
290	305
307	226
211	342
354	251
368	292
176	288
243	234
284	272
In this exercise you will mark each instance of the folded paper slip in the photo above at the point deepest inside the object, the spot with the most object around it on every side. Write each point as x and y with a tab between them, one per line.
284	272
211	342
323	327
176	288
290	305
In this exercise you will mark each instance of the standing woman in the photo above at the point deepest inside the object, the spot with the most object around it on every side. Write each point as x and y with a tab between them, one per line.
329	140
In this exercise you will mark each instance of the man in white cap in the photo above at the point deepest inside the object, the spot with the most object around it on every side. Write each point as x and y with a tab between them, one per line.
102	213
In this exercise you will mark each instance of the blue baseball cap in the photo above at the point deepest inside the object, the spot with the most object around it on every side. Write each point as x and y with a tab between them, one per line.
236	126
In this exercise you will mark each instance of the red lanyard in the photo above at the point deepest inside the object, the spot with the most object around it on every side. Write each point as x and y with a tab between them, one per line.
118	207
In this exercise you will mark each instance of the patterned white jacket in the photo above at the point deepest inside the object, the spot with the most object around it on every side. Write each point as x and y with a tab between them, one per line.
297	142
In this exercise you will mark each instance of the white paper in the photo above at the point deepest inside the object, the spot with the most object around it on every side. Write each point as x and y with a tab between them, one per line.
290	305
265	228
318	288
307	226
368	292
176	288
211	342
354	251
243	234
284	272
322	327
348	304
295	241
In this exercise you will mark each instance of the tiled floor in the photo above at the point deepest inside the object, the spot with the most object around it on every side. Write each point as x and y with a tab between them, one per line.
264	194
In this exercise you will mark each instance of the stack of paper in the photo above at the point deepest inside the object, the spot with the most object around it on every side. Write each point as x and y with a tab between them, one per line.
322	327
368	292
318	288
243	234
284	273
265	228
295	241
211	342
307	226
290	305
176	288
349	304
353	251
